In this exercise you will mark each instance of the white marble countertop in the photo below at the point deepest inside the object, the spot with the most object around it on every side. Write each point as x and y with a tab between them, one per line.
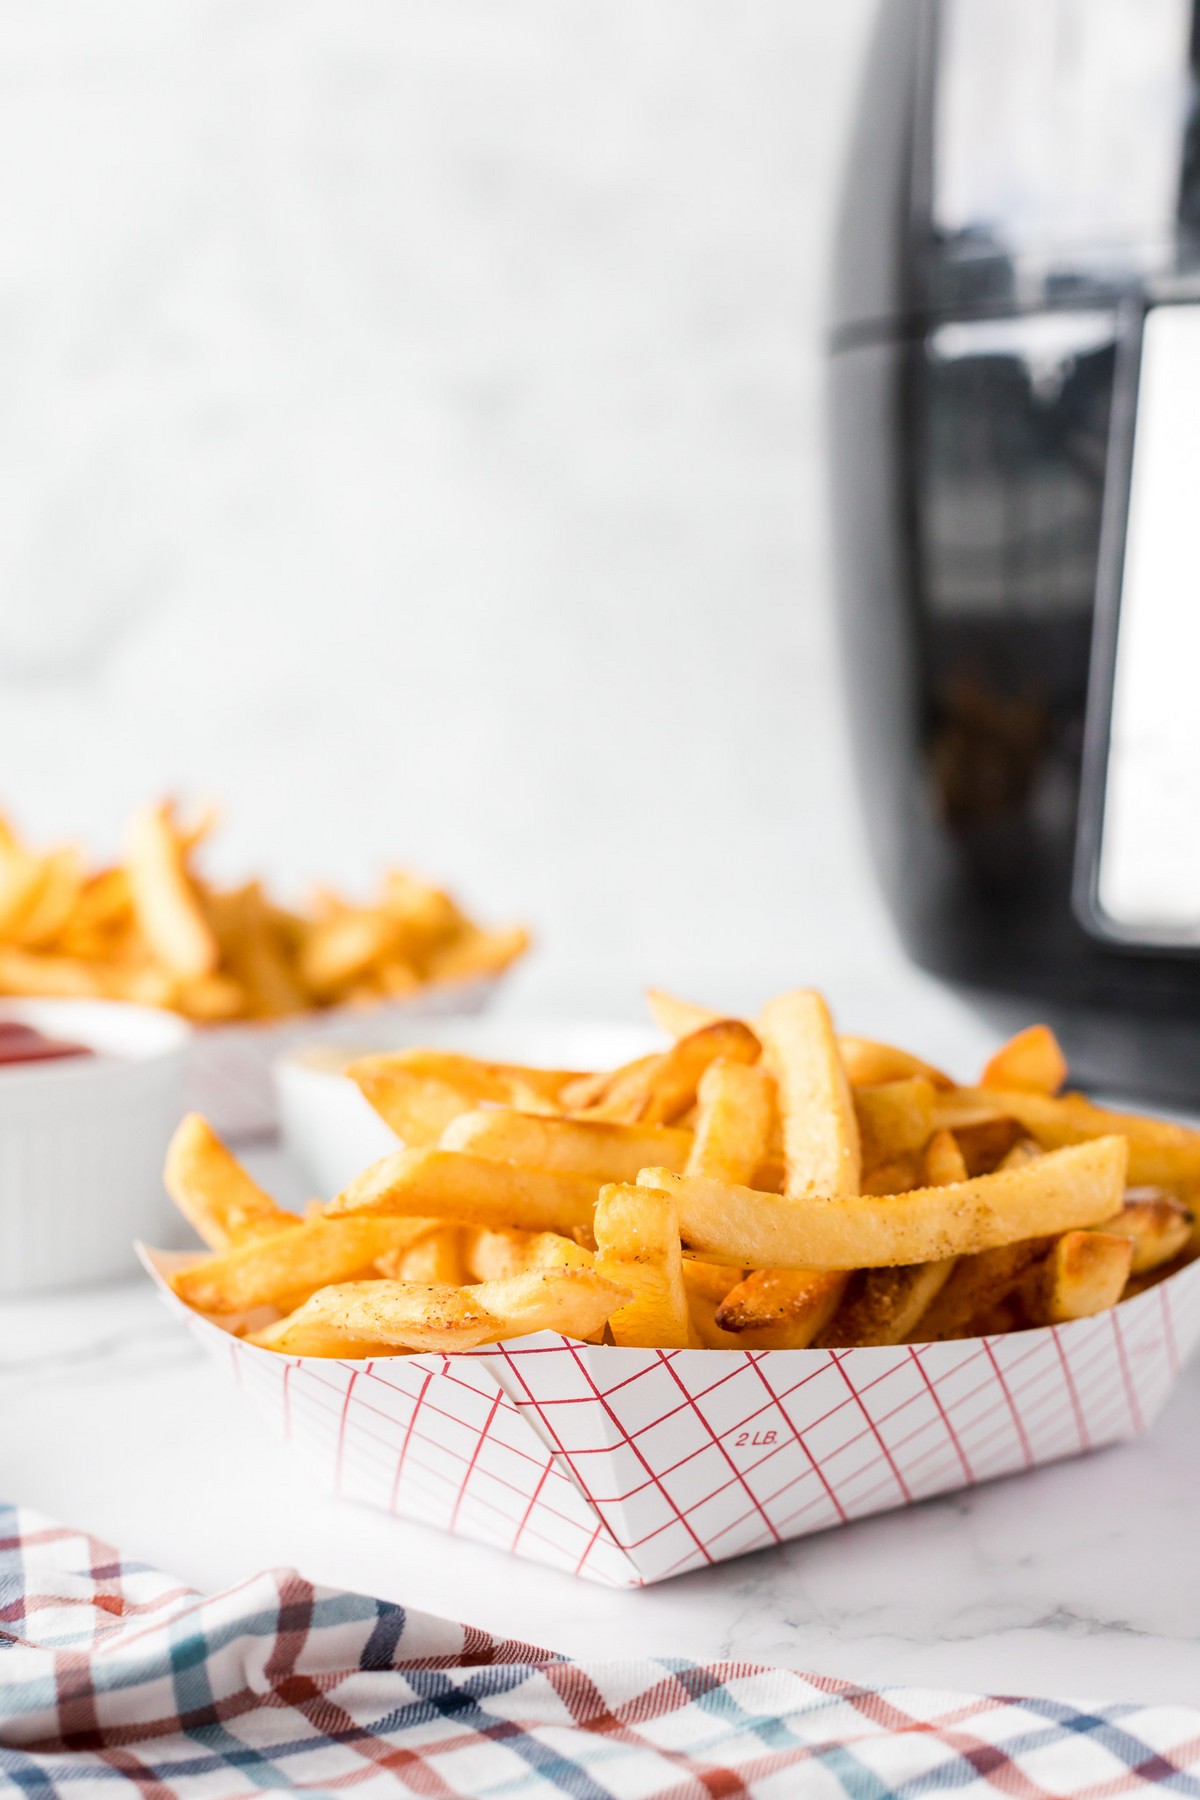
1078	1579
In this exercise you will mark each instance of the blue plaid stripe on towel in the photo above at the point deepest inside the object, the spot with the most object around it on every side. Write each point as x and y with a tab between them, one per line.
111	1674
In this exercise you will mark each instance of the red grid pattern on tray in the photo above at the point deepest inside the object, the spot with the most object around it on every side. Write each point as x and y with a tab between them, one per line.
631	1465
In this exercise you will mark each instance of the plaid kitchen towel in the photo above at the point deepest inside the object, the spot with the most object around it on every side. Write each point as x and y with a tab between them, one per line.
113	1675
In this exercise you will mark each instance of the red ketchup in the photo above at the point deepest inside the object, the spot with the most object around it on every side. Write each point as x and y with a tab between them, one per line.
21	1043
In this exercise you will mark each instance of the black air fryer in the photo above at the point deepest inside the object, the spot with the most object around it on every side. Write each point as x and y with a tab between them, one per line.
1015	410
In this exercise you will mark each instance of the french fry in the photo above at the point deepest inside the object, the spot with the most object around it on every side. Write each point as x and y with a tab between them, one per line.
1032	1061
781	1309
894	1118
944	1163
166	904
213	1191
419	1092
591	1090
736	1103
1161	1154
677	1018
377	1316
868	1064
820	1130
985	1145
496	1255
253	953
1157	1226
208	999
977	1285
469	1190
310	1254
1063	1191
344	947
658	1090
785	1308
477	954
637	1249
598	1148
882	1306
49	899
1084	1273
706	1285
60	977
435	1258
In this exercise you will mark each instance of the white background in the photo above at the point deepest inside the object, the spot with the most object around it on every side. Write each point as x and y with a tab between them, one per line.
411	437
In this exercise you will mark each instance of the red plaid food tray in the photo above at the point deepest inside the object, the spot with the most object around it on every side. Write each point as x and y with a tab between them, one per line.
628	1466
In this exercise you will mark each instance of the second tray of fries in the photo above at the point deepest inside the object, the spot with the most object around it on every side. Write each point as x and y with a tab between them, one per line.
767	1190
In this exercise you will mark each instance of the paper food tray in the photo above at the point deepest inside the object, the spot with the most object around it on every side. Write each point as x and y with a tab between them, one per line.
229	1066
627	1466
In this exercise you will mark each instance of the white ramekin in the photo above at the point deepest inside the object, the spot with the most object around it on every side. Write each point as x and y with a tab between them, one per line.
332	1132
82	1142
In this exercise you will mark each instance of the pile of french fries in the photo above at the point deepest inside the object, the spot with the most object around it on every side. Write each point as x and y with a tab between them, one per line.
772	1186
151	930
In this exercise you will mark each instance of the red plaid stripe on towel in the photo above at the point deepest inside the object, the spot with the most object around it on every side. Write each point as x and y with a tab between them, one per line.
112	1674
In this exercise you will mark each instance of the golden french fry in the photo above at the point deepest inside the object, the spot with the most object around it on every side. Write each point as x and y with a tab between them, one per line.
435	1258
409	1316
1031	1061
212	1190
781	1309
867	1064
1158	1227
418	1092
469	1190
736	1104
894	1177
820	1131
308	1255
61	977
21	879
165	902
977	1285
658	1090
476	954
1062	1191
894	1118
1084	1273
677	1018
984	1146
1160	1154
49	900
495	1255
943	1161
706	1285
882	1306
339	949
209	999
637	1248
598	1148
253	952
629	1084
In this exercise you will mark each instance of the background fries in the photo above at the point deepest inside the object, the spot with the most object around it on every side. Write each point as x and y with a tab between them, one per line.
153	931
766	1188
